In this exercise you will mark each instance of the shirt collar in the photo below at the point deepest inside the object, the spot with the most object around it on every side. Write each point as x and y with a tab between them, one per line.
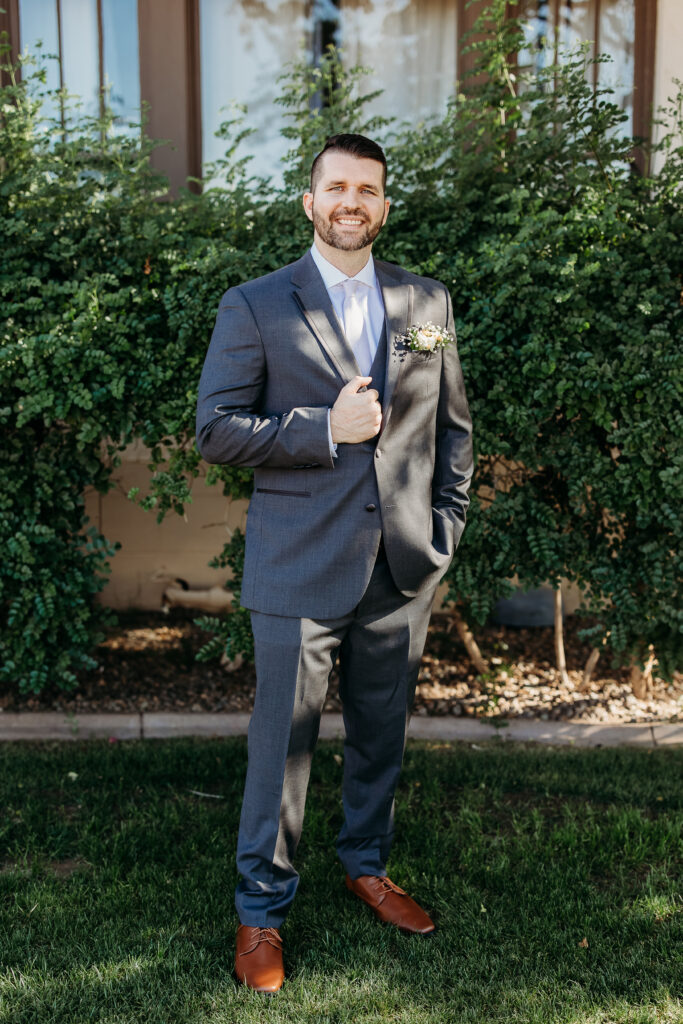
331	275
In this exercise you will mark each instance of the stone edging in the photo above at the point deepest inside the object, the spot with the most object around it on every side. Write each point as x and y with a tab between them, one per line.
54	725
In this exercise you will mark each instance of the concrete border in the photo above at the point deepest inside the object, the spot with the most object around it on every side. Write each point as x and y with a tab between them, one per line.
54	725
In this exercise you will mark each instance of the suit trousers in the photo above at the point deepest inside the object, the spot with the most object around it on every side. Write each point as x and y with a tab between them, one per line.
379	645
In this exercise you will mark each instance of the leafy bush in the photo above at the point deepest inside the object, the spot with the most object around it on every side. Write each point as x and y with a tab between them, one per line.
94	284
564	266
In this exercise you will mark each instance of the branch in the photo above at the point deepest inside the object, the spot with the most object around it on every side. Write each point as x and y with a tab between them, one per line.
465	634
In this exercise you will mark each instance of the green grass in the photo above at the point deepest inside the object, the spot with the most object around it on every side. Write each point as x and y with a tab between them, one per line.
116	889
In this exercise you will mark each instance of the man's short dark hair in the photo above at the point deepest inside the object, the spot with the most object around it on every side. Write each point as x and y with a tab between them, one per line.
355	145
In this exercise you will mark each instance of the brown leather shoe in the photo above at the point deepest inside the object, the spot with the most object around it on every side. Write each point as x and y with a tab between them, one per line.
391	904
258	958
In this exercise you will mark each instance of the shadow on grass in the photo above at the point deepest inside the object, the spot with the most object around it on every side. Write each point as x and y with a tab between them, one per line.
552	876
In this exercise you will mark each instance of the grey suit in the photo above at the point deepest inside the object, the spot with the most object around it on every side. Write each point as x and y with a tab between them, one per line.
316	578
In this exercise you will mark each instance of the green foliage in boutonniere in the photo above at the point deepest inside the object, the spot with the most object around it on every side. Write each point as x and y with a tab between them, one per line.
428	337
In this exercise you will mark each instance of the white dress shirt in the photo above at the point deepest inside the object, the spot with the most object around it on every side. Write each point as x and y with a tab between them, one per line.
370	297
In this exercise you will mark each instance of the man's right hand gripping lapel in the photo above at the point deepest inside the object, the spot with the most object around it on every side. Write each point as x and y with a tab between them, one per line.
230	429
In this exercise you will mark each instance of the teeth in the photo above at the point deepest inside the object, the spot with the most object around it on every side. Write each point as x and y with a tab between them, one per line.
346	220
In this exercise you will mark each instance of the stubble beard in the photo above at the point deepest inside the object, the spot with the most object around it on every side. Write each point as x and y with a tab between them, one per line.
332	236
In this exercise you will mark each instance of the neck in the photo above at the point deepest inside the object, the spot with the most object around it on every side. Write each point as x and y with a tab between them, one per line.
350	263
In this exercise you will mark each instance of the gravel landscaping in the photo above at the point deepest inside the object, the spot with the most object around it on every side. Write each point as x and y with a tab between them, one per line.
147	663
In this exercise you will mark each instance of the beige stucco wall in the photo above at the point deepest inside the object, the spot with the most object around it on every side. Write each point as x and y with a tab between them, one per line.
152	555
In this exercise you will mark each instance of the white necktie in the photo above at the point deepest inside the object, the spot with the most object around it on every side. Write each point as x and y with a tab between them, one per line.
355	326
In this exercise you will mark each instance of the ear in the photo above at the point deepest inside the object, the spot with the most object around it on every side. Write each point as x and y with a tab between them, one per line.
308	204
387	204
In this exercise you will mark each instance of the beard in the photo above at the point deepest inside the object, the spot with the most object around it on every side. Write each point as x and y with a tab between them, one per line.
335	237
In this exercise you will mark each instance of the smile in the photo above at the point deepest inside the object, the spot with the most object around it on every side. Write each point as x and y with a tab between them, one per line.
353	222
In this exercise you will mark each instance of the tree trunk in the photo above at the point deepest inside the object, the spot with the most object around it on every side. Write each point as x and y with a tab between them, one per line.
593	659
559	640
475	655
641	679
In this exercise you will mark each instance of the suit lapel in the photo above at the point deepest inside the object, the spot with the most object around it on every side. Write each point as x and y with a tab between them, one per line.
398	307
311	295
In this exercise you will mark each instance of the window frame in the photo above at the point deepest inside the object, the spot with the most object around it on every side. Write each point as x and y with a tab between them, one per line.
172	87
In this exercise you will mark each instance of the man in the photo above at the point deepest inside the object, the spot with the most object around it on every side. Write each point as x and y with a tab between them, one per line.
362	455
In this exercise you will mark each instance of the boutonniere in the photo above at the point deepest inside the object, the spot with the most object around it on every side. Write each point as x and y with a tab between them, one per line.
428	337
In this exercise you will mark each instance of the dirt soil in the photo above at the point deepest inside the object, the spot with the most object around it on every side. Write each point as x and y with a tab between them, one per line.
147	663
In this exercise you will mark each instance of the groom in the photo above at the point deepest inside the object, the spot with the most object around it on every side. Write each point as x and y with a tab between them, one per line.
361	444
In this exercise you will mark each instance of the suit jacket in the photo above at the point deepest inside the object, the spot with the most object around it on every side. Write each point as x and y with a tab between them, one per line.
276	363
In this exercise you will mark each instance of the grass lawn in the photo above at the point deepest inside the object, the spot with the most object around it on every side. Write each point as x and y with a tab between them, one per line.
554	876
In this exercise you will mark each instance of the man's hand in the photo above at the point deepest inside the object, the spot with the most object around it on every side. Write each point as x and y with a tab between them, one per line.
356	415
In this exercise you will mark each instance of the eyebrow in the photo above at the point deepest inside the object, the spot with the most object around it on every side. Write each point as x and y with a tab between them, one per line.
332	184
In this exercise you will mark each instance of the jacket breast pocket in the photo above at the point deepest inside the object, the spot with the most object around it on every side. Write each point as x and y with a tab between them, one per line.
283	493
422	372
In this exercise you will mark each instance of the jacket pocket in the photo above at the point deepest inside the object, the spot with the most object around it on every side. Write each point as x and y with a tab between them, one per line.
286	494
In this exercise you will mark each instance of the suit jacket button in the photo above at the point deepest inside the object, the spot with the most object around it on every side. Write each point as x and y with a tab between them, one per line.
371	508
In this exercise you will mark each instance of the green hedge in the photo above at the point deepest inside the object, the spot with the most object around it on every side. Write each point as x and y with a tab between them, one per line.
564	264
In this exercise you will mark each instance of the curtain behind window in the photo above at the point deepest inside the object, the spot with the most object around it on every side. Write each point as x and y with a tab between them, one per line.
121	59
38	23
411	45
576	22
617	35
244	45
78	48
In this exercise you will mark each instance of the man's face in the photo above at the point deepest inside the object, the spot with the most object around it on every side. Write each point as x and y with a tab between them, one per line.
348	207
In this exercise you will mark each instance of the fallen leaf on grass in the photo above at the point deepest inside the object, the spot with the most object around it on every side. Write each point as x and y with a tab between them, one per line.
584	943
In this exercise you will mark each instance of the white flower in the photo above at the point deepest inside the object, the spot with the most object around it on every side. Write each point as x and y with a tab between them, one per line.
428	337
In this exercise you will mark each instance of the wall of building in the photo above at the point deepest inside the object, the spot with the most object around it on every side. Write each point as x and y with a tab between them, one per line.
152	555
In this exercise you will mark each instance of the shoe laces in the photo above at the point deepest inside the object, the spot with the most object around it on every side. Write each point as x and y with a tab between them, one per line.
270	935
383	886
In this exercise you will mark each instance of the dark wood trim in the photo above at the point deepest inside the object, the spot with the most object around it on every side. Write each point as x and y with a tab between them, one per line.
596	43
644	75
467	14
556	28
60	43
9	23
174	110
194	91
554	12
100	62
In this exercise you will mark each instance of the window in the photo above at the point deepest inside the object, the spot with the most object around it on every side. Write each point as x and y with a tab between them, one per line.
197	56
243	47
609	25
96	43
412	48
411	45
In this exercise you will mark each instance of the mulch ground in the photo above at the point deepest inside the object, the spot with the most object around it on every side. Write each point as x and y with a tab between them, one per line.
147	663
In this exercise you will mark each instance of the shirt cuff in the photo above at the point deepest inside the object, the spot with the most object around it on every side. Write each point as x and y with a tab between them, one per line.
333	447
